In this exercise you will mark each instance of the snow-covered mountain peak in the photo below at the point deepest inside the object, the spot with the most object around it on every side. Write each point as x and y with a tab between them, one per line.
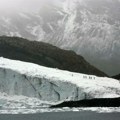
88	27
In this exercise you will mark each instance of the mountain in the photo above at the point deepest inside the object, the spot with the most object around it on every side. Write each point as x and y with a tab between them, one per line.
116	77
45	54
50	85
89	27
100	102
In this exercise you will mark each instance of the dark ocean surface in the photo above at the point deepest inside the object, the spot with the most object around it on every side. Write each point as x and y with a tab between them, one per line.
63	116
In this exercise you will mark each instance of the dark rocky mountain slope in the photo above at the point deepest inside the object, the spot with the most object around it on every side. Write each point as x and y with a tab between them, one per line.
45	54
101	102
117	77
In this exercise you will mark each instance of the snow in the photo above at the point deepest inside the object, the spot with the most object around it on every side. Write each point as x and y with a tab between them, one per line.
93	85
14	34
24	16
75	78
36	31
7	20
15	102
48	110
29	88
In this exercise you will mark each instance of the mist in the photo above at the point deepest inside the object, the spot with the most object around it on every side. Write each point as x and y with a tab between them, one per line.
24	5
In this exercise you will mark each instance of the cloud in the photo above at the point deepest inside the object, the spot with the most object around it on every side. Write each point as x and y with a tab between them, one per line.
25	5
22	5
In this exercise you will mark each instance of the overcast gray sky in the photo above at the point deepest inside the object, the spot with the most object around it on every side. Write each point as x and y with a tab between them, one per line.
19	4
23	5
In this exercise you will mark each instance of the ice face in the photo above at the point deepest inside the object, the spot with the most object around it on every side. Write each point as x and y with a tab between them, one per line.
52	85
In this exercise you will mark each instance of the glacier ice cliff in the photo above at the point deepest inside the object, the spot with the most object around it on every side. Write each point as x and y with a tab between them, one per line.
52	85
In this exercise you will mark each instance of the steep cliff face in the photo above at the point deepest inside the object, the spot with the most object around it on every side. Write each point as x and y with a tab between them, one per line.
89	27
52	85
14	83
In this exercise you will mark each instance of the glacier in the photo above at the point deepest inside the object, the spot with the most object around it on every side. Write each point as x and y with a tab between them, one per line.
53	85
31	88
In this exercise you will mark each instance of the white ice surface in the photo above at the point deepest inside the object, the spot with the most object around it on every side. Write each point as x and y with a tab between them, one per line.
24	86
30	69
